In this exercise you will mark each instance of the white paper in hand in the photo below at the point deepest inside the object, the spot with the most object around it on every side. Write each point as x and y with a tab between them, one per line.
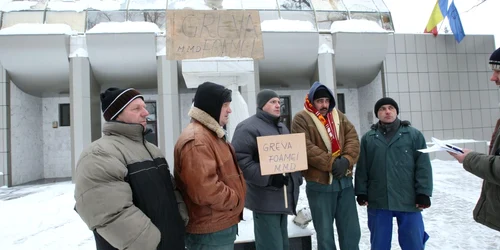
442	146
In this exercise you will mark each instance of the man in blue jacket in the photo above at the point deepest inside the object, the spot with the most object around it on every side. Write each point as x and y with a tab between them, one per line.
265	195
394	179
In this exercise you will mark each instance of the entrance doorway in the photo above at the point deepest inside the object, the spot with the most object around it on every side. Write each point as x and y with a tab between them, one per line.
152	136
285	113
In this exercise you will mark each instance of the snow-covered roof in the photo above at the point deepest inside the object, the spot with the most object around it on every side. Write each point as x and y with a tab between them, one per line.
124	27
286	25
357	25
80	5
37	28
325	49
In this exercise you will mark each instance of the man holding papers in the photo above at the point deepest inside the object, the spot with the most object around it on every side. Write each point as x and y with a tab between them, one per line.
394	179
487	167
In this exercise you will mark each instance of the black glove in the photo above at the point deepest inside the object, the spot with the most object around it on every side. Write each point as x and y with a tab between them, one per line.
362	199
423	201
278	180
339	167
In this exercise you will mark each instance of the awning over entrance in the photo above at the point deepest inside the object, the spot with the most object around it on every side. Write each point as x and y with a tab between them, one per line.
36	62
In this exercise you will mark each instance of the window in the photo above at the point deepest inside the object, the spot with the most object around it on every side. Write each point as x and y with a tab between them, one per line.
285	114
64	114
341	103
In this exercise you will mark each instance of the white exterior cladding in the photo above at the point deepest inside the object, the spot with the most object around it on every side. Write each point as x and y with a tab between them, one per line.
441	87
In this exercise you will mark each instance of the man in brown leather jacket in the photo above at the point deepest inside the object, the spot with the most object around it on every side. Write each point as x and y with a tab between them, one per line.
332	150
207	172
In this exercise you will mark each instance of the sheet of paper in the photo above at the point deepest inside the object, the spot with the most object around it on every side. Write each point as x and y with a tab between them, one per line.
442	146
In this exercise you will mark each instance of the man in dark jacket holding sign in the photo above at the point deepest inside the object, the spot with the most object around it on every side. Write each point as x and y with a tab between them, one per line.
265	195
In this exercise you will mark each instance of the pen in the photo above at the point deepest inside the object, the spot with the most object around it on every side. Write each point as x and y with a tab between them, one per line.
455	148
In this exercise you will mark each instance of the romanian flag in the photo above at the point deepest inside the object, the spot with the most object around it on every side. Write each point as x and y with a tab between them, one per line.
438	14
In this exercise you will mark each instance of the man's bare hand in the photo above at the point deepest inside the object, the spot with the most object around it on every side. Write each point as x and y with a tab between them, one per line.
461	157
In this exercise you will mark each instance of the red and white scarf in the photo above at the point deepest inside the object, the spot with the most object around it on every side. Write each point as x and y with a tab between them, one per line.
329	126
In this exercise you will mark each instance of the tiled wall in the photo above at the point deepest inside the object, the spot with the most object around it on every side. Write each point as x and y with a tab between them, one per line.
56	141
443	87
27	137
368	96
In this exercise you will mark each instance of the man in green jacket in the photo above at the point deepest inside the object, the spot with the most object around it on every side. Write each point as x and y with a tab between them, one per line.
394	179
487	167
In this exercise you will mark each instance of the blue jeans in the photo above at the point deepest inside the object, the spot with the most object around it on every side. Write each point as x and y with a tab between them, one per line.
220	240
411	233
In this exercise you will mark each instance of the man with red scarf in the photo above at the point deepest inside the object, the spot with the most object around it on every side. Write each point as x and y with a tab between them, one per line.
332	150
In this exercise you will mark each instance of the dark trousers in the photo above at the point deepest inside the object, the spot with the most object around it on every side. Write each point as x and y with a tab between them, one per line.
411	233
271	231
338	207
220	240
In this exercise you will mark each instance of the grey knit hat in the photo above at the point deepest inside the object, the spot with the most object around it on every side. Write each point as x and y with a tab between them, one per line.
264	96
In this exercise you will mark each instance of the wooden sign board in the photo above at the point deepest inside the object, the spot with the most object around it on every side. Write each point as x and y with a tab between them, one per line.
193	34
282	153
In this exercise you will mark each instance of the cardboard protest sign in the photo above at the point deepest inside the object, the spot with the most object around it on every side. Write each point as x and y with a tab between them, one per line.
282	153
193	34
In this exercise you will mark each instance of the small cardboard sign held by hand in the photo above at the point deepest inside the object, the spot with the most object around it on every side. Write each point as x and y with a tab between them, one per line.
282	153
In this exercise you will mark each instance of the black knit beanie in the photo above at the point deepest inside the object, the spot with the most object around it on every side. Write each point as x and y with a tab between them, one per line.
264	96
495	60
322	92
114	101
210	97
385	101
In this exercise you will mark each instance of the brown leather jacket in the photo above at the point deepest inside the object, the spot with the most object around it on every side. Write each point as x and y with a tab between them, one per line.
319	160
208	176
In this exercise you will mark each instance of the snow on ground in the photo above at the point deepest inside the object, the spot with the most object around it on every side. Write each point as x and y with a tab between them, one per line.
42	216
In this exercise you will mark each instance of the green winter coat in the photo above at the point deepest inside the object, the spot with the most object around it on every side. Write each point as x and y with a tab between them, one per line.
487	167
393	173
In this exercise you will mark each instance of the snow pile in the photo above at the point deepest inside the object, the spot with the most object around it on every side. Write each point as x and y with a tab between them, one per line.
357	25
37	28
17	5
147	5
61	5
42	216
124	27
107	4
78	46
80	52
189	4
286	25
161	43
325	49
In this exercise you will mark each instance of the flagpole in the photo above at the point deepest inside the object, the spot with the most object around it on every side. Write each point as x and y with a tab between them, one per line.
442	22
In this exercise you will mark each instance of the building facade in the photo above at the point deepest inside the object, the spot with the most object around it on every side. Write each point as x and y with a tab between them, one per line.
55	60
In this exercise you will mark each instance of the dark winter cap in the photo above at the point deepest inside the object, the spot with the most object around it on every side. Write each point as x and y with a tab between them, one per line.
322	92
210	97
114	101
495	60
385	101
264	96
